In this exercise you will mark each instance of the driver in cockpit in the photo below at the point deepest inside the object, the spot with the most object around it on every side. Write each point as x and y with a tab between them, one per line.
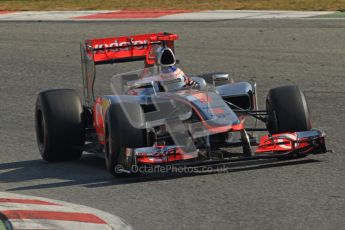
172	72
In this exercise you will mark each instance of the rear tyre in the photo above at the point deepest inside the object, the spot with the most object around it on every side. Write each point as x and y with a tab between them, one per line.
288	110
122	137
59	123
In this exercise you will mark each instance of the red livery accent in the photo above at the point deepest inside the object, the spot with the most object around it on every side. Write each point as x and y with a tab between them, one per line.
289	142
162	154
116	49
238	127
99	110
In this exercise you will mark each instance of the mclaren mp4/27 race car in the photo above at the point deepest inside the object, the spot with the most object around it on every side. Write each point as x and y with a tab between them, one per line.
161	116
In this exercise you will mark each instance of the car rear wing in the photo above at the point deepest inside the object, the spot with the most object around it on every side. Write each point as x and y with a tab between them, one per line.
126	49
116	50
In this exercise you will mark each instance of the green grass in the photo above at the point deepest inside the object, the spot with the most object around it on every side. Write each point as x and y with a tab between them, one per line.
3	225
340	14
172	4
4	222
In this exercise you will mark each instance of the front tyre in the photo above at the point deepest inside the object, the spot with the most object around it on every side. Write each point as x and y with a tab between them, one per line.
60	130
122	136
287	109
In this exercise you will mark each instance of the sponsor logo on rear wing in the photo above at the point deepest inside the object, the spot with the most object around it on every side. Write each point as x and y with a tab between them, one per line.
117	46
130	48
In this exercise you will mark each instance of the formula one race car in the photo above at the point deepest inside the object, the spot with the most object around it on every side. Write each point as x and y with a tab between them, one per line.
161	116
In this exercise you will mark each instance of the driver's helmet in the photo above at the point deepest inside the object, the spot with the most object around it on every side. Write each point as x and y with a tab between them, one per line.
172	78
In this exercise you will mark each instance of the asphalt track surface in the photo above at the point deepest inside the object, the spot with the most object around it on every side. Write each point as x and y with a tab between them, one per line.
301	194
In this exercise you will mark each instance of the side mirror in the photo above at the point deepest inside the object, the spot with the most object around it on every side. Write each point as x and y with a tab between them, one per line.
221	78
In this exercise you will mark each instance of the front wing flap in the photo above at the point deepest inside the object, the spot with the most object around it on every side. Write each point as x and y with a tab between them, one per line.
305	142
